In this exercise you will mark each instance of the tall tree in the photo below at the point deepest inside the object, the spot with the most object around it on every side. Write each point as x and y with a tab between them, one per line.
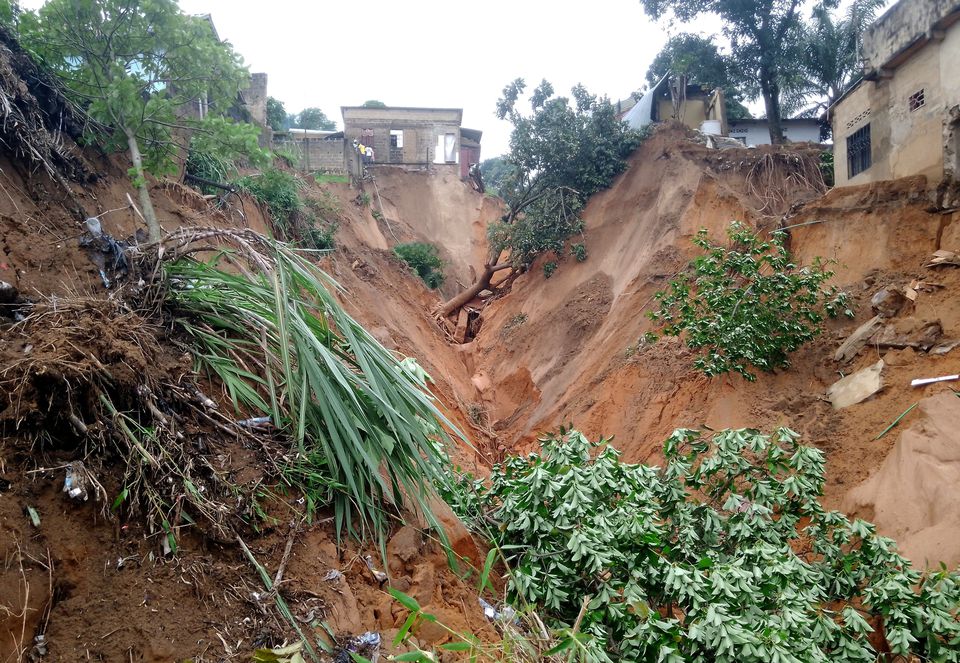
276	114
495	171
561	152
700	61
373	103
136	65
314	118
764	37
831	52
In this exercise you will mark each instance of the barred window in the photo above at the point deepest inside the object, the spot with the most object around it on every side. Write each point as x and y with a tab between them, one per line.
916	100
858	151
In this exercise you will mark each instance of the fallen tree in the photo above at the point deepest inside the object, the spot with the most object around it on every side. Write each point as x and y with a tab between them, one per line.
560	154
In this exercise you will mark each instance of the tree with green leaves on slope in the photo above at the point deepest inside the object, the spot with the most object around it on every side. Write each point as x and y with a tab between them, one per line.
764	37
134	65
831	51
561	153
276	114
698	58
314	118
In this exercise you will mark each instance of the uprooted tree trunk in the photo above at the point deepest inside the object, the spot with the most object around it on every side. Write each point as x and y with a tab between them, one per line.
149	214
478	286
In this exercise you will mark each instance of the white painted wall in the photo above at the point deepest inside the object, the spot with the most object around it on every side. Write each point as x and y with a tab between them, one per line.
756	133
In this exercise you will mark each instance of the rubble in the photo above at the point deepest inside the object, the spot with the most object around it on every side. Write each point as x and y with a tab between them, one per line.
856	388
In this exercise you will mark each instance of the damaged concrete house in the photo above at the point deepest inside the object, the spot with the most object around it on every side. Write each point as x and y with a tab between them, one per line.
903	117
704	110
407	136
398	136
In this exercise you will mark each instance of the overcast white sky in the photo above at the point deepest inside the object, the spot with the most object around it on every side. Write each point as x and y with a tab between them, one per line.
445	53
441	53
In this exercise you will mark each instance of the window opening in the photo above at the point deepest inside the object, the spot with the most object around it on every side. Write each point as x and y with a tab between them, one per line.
858	151
916	100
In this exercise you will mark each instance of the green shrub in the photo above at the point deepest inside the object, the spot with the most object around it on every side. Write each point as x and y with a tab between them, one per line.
747	305
278	189
827	167
549	268
424	260
724	554
579	251
220	146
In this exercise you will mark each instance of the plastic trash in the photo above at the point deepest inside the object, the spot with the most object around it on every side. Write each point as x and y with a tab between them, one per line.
507	614
366	645
378	574
74	485
332	575
93	226
255	422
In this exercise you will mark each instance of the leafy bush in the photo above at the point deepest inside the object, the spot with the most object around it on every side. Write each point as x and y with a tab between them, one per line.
747	305
218	147
277	189
424	260
579	251
827	167
724	554
549	268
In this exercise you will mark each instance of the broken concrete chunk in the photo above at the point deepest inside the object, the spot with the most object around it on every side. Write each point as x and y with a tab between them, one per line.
910	333
944	258
849	348
888	302
944	347
857	387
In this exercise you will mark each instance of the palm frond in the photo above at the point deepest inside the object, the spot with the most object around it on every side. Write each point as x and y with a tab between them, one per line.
363	427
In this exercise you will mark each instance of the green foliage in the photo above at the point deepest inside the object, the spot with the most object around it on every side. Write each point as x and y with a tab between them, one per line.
314	118
495	172
561	153
276	114
579	251
373	103
219	146
310	224
278	189
365	431
765	38
699	59
424	260
724	554
827	167
549	268
363	199
747	305
133	66
545	226
330	178
830	52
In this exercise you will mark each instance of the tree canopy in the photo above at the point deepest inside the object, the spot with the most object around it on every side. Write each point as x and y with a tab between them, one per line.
562	151
276	114
830	53
495	171
135	67
698	58
314	118
373	103
765	38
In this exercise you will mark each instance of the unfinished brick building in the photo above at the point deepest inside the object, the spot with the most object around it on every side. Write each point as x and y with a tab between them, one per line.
409	136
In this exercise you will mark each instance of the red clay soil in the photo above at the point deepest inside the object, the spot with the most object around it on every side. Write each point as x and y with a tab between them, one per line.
552	351
96	585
